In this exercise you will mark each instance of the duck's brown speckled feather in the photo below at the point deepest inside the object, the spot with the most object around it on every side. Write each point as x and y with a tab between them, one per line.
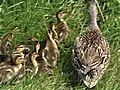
91	55
91	50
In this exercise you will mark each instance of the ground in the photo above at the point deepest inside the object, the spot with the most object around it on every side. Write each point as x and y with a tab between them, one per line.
33	17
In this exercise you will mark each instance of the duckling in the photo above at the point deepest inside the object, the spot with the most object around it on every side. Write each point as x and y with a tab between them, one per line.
61	27
10	71
38	61
91	51
15	55
23	51
22	48
7	59
51	52
5	41
33	43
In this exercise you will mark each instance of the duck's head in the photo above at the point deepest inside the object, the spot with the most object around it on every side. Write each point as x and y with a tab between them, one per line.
60	15
91	6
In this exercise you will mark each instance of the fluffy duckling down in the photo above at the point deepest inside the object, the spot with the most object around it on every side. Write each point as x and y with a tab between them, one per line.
61	27
51	51
11	70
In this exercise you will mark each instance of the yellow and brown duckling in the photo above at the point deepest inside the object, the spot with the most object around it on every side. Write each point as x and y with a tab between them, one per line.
17	58
11	70
20	50
91	51
38	60
51	52
5	41
34	54
23	48
61	27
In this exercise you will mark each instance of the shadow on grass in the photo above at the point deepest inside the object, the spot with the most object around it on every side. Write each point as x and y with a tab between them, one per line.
67	67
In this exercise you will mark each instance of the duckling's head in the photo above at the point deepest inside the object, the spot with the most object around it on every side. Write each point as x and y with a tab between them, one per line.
16	56
19	60
60	15
34	56
22	48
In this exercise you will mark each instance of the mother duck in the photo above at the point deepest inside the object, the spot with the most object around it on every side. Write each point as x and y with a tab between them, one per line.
91	50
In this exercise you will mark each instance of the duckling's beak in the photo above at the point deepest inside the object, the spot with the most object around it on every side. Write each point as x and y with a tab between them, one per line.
65	14
23	60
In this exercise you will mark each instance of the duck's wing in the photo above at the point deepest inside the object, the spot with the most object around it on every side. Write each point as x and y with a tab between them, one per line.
91	57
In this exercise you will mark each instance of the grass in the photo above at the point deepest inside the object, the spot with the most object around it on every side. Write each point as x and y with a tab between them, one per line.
33	17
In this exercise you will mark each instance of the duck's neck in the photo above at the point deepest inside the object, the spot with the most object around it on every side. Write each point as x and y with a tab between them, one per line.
92	12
